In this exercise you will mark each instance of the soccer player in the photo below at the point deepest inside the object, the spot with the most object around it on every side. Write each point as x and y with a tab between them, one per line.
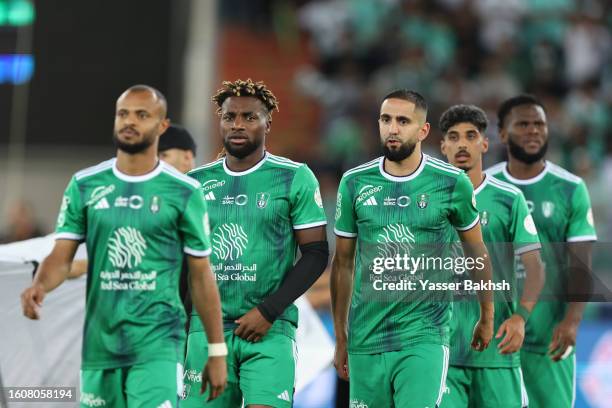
397	345
261	207
491	378
560	205
137	216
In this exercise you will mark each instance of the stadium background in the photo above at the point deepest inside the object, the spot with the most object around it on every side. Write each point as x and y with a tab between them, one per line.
63	64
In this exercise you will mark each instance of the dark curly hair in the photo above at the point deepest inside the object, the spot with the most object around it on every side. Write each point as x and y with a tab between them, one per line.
509	104
246	88
462	114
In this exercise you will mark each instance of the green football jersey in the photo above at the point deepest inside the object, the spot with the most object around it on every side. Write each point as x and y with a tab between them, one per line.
253	216
561	208
508	230
388	215
136	229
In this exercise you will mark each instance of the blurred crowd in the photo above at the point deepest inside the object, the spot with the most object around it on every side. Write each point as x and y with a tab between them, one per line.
466	51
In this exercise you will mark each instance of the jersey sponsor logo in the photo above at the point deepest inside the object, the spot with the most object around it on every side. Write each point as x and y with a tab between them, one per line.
99	192
367	191
317	197
284	396
423	201
91	400
529	225
211	184
401	201
229	241
102	204
210	196
135	202
589	217
240	199
338	206
155	204
61	218
370	201
484	218
262	200
548	208
193	376
126	247
355	403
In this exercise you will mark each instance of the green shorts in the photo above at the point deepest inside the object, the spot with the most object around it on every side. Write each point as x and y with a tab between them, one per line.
146	385
549	383
260	373
412	378
484	388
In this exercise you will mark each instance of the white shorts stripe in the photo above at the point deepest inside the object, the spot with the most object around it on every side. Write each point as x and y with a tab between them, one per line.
444	373
524	397
574	381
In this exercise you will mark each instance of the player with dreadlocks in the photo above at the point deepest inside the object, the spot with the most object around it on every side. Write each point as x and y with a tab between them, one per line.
262	207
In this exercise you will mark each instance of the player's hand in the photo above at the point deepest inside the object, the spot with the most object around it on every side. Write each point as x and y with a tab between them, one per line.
31	301
483	333
514	330
563	340
341	360
252	326
215	374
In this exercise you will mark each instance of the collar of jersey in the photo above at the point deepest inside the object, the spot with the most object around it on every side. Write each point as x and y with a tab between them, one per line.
381	167
532	180
247	171
137	179
482	185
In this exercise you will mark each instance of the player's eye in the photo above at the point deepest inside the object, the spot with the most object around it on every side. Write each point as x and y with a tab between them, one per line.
251	118
143	115
403	122
226	117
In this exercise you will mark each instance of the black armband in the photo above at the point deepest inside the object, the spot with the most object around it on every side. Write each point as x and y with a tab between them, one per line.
304	273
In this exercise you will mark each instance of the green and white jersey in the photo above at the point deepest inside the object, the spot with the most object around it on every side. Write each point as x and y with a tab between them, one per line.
507	230
560	205
253	216
388	215
136	229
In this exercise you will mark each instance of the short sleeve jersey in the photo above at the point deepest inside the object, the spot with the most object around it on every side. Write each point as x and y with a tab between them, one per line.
387	214
254	215
136	229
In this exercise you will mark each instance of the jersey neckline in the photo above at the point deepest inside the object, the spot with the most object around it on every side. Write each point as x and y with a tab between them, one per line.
247	171
531	180
137	179
381	167
482	185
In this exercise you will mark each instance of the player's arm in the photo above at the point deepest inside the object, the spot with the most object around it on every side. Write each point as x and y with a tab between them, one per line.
78	268
341	284
579	290
527	245
315	254
207	303
52	272
474	248
580	237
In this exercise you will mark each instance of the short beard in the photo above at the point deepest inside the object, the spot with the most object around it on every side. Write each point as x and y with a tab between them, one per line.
242	151
133	148
521	155
397	155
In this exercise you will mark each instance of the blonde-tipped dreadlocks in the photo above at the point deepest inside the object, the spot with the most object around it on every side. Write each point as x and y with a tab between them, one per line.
246	88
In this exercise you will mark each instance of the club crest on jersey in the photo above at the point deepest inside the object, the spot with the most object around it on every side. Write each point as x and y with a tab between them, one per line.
547	209
484	218
423	201
262	200
155	203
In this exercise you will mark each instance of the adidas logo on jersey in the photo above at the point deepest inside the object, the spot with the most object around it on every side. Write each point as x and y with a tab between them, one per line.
210	196
370	201
102	204
284	396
